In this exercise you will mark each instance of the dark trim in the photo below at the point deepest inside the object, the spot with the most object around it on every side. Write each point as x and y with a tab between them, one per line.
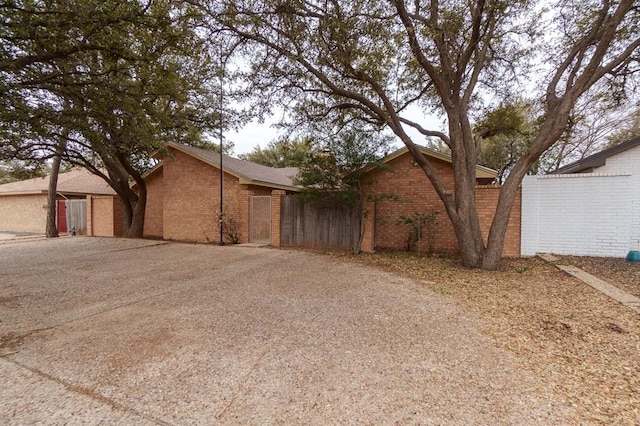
596	160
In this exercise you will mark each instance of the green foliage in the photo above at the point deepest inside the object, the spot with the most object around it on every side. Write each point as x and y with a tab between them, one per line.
283	153
210	145
420	224
504	134
115	78
334	174
13	171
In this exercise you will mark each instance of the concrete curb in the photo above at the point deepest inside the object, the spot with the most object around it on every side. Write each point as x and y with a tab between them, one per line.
22	239
595	282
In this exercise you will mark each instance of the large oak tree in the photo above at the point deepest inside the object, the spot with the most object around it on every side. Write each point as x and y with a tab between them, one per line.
373	59
103	84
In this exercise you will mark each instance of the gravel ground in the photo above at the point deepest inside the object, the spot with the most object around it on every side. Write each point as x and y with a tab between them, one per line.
577	341
140	332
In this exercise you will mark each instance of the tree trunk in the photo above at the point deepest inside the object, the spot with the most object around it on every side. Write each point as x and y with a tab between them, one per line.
468	233
459	203
52	226
132	204
462	205
547	136
136	226
498	232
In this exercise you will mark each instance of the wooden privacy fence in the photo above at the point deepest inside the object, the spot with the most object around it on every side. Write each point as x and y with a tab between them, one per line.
306	225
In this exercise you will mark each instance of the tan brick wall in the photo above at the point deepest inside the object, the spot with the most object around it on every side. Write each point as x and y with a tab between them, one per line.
486	202
191	199
153	212
104	218
414	193
23	213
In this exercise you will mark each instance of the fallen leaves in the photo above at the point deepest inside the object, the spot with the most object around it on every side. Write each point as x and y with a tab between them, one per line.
580	344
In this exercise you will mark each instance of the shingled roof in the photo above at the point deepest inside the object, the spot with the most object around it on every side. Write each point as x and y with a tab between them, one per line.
246	171
597	160
74	182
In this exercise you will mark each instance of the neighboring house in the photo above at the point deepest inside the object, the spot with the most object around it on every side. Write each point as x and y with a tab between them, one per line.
183	197
23	205
402	188
588	208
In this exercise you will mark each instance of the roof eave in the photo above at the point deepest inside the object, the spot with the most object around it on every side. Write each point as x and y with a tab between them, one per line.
481	171
207	161
598	159
247	181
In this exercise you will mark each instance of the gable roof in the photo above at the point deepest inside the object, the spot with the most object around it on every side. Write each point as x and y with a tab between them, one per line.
597	160
247	172
74	182
481	171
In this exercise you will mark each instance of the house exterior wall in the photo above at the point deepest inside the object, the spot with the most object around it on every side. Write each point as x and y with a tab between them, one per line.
153	212
584	214
628	162
23	213
104	216
412	192
276	212
191	200
579	214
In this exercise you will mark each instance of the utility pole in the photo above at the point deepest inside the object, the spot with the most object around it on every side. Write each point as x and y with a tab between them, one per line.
222	69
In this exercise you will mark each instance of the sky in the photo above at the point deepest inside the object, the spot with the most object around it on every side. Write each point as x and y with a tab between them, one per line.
260	134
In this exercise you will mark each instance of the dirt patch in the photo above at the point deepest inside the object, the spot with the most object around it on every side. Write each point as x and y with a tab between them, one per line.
576	340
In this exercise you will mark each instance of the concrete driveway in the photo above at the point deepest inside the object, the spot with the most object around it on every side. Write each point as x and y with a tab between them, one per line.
142	332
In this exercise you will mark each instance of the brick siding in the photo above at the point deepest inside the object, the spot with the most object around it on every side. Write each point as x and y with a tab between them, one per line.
190	193
104	216
23	213
584	214
191	199
153	212
413	193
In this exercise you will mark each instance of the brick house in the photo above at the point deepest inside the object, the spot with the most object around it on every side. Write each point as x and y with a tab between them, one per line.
183	196
402	188
23	204
587	208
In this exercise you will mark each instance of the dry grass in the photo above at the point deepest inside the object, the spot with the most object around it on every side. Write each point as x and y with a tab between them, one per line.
579	343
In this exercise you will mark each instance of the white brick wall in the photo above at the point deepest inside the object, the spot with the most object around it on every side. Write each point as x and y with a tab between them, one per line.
579	214
596	214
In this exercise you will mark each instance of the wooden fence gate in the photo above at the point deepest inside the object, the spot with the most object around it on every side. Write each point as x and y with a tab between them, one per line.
305	225
260	222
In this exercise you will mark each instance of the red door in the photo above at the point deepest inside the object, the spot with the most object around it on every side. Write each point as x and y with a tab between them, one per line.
62	217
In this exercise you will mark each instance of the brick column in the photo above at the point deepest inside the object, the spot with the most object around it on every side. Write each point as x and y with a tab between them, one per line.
89	215
244	204
276	203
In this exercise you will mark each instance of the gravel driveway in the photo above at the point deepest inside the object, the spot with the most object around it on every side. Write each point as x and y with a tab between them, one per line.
144	332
